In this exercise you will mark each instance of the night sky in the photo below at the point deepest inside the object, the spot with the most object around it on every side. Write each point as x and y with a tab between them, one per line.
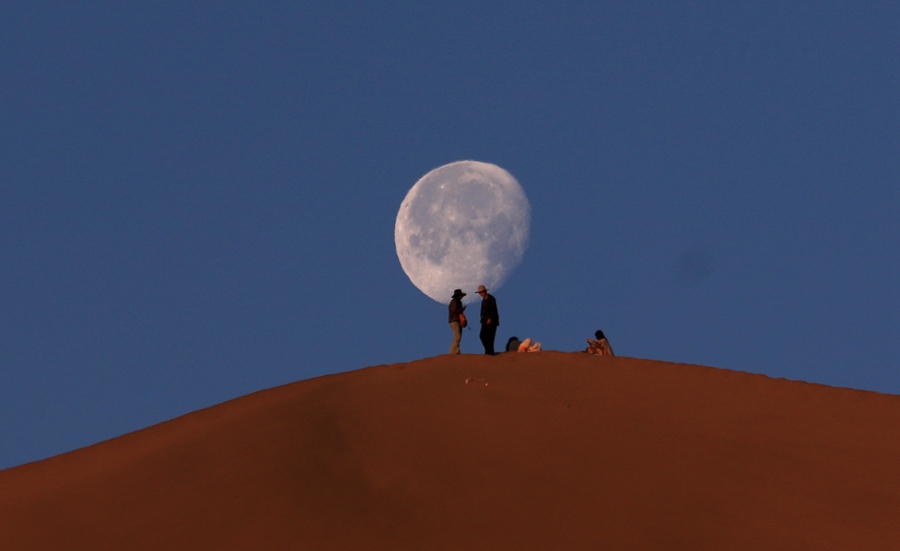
197	200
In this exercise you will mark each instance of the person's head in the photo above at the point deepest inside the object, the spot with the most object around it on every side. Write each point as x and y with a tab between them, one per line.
482	290
512	344
599	335
458	294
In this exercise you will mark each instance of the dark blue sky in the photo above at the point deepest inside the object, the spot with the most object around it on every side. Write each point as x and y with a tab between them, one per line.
197	201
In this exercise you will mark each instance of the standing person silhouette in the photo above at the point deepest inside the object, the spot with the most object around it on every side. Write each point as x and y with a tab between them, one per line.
456	308
490	319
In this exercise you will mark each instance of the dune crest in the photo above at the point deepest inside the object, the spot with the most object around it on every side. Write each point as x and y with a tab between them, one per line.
520	451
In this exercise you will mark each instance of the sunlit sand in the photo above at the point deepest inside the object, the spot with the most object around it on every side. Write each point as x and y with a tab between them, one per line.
538	451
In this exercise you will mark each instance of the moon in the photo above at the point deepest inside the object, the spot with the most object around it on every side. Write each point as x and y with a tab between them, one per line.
462	225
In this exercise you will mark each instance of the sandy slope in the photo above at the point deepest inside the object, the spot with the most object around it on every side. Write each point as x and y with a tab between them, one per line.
521	451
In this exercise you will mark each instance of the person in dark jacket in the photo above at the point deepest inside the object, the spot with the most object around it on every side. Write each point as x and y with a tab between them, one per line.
456	308
490	320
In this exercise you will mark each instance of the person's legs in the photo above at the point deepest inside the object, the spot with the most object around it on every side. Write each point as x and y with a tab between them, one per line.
457	335
488	332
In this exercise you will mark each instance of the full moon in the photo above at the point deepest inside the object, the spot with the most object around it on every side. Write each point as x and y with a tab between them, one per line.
462	225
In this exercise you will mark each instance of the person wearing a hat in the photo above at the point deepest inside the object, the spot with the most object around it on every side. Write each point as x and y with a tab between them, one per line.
490	319
456	308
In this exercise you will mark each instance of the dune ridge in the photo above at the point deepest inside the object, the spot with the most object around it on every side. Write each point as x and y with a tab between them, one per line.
519	451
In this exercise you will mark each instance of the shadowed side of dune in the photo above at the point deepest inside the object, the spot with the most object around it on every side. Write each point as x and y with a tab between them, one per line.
519	451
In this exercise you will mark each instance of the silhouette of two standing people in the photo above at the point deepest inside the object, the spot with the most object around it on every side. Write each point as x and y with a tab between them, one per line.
490	319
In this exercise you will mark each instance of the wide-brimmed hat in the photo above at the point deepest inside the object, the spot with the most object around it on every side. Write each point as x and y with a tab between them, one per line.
458	294
481	288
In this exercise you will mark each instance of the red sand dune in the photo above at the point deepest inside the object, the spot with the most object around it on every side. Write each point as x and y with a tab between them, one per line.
547	451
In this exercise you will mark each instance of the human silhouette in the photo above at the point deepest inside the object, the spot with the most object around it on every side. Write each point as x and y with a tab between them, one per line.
600	346
490	320
456	309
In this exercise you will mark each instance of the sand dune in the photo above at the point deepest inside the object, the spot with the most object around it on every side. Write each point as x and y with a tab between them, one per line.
548	451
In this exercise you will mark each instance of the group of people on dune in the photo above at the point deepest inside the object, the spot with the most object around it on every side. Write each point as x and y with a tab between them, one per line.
490	320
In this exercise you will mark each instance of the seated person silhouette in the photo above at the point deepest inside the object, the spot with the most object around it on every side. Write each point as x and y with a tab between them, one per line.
599	347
